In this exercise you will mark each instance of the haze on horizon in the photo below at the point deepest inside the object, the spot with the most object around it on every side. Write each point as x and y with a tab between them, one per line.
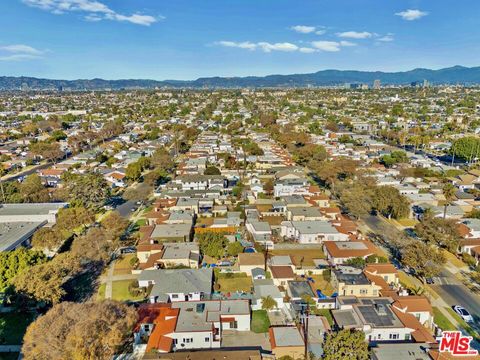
184	40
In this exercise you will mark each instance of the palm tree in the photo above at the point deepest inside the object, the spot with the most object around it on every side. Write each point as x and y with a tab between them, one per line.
449	193
268	303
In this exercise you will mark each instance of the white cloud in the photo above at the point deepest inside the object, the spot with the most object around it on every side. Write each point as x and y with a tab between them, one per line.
95	10
18	52
320	32
285	46
355	34
330	46
242	45
303	29
307	50
386	38
411	14
347	43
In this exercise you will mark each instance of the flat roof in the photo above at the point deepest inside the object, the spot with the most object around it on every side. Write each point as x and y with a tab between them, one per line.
12	234
30	209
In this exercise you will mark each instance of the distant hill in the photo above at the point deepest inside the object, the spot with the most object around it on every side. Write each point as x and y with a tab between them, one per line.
452	75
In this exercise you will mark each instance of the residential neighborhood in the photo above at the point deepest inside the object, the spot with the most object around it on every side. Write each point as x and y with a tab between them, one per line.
252	224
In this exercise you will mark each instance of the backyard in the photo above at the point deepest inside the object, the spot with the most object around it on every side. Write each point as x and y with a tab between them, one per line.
308	255
260	322
231	282
321	284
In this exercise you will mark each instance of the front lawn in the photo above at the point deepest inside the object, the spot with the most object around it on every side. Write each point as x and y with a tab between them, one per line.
442	321
101	292
260	322
120	291
463	324
13	326
122	265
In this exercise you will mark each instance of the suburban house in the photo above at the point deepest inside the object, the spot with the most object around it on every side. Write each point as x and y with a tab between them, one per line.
177	285
311	232
379	320
338	252
286	341
189	325
247	262
349	281
167	255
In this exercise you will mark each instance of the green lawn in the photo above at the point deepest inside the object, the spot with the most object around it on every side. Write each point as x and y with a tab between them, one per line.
260	322
120	291
442	321
13	326
234	282
141	222
122	265
463	324
101	292
327	313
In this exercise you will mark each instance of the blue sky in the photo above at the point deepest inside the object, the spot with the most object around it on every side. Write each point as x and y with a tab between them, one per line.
186	39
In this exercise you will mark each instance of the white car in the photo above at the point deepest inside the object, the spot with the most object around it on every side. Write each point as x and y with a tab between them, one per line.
464	314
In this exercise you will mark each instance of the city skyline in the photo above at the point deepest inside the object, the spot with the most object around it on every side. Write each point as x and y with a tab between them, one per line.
72	39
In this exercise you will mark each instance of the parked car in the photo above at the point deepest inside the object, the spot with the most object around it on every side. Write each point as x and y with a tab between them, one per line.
464	314
430	281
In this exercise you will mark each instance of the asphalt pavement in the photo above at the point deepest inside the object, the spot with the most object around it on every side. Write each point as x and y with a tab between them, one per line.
450	289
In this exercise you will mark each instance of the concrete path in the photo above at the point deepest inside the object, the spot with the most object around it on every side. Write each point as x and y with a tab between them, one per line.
108	287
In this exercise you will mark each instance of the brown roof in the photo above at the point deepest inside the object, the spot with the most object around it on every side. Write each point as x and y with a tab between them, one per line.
421	334
381	269
413	304
333	249
282	272
463	230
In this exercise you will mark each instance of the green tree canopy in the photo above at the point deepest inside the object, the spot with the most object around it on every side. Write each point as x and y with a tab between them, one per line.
345	345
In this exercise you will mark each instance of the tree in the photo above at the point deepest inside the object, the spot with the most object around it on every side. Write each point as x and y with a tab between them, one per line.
425	259
268	303
13	263
345	345
395	157
89	189
212	170
49	151
32	190
357	262
234	248
93	330
73	217
357	199
466	148
47	238
162	159
133	171
114	224
212	244
44	282
389	201
449	192
309	152
440	232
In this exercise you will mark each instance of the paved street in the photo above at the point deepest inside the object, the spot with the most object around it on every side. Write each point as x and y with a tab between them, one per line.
125	209
447	286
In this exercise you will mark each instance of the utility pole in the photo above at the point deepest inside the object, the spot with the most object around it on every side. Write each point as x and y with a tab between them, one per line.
305	328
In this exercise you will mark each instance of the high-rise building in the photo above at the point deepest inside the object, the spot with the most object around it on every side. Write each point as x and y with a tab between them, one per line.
377	84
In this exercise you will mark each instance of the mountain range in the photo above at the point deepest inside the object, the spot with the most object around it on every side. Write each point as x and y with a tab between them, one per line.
452	75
